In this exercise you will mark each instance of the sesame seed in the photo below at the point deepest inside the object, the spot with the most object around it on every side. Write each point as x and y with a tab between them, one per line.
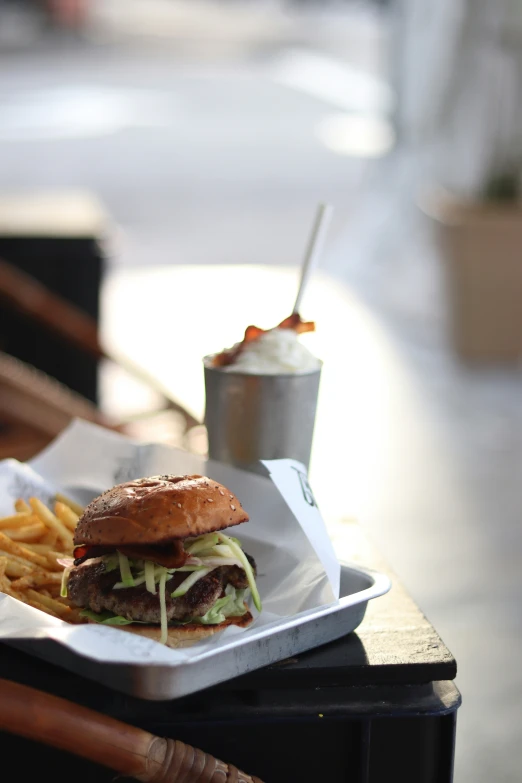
232	507
221	492
179	505
210	500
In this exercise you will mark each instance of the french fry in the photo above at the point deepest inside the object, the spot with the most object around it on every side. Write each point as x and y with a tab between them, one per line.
16	566
51	554
22	583
54	591
20	551
21	506
15	570
51	521
37	605
37	546
75	618
32	540
27	532
57	607
36	578
15	520
15	559
66	515
49	539
78	510
6	588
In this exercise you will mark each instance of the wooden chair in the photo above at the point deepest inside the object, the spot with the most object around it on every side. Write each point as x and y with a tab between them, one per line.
34	408
127	750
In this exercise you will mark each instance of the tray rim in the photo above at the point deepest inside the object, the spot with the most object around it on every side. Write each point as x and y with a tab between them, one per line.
380	585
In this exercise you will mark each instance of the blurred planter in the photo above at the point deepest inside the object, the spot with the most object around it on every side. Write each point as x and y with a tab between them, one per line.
481	247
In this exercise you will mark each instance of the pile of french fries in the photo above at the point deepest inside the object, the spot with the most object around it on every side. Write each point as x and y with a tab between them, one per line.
32	540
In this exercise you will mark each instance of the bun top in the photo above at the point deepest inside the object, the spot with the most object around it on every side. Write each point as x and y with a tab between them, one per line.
157	510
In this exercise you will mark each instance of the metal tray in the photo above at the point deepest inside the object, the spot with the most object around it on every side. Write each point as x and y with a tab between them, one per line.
291	636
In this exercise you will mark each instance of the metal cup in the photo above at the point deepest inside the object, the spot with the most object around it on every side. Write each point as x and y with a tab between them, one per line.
252	417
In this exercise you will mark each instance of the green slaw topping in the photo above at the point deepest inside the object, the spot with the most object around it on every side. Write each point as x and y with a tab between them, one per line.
207	551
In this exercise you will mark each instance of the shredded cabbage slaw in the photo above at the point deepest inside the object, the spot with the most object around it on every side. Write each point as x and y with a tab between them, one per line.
206	553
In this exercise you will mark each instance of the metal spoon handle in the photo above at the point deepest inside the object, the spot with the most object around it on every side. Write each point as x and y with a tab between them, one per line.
313	250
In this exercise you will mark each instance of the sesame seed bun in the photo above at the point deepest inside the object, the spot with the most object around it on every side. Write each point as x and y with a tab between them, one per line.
158	510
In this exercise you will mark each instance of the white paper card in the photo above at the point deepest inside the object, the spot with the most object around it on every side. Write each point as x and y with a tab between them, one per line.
297	568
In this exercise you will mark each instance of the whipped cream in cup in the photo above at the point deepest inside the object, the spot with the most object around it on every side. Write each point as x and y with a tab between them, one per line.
275	352
263	404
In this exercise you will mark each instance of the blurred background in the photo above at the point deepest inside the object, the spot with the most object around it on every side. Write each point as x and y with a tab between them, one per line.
160	166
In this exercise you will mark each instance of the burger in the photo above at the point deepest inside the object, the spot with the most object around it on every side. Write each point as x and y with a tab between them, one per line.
151	556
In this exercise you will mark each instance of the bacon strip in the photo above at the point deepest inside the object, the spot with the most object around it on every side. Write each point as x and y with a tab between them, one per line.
171	555
83	553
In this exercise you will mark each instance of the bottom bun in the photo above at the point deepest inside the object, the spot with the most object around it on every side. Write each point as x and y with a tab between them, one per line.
186	635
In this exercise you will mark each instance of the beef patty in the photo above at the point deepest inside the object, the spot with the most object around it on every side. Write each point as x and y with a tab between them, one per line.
90	586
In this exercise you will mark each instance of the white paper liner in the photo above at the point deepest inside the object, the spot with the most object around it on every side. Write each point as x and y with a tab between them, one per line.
297	567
